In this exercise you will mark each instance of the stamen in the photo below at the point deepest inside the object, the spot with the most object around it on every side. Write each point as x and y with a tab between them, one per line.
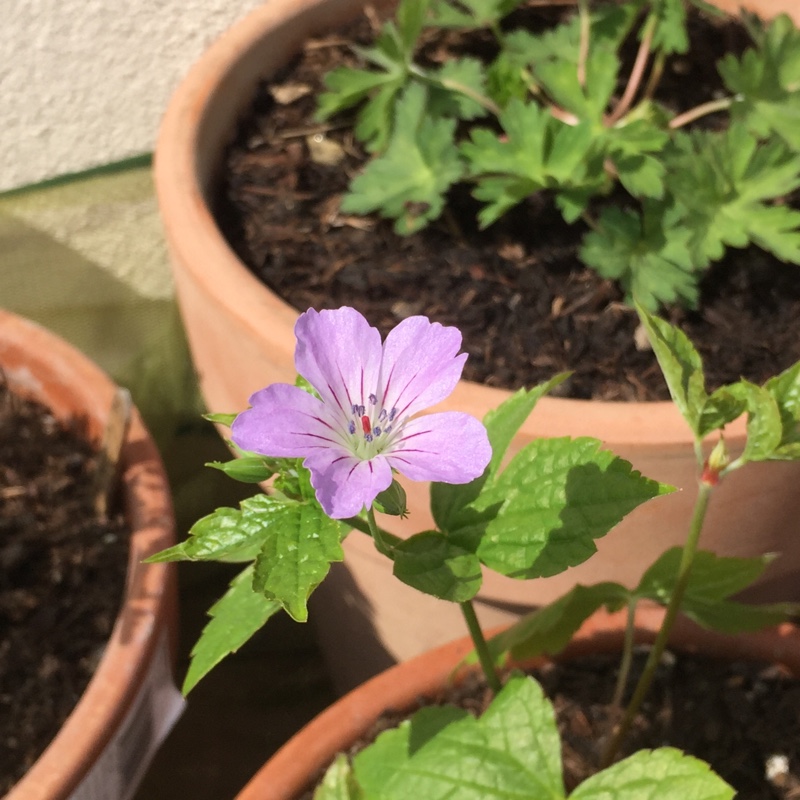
373	399
382	416
376	430
352	427
392	414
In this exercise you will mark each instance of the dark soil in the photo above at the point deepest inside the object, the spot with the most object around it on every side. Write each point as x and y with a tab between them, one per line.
525	304
62	575
741	718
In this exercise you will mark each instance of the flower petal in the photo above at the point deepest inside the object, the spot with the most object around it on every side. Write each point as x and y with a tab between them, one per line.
344	484
450	447
421	365
339	354
285	422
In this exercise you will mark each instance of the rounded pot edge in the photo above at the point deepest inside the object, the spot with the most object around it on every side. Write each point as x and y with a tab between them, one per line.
39	364
292	769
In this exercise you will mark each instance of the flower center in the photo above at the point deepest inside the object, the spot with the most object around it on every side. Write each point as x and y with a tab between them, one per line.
371	428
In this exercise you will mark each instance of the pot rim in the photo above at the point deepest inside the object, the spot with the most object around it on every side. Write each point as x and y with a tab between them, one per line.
288	772
39	364
196	126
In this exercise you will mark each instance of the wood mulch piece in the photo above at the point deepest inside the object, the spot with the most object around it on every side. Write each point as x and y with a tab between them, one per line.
741	718
62	576
527	307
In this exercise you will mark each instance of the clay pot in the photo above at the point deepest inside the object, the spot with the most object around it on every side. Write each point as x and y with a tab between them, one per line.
302	759
132	686
241	339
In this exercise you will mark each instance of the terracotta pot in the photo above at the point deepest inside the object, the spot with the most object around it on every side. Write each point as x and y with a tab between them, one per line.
241	338
105	744
300	761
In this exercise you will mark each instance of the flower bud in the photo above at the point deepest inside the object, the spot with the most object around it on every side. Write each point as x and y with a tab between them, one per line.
716	463
392	501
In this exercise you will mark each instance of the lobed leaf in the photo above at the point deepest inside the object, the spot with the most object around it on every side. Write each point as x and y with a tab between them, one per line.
296	556
235	617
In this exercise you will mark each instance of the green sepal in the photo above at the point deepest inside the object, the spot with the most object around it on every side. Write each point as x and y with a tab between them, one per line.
249	469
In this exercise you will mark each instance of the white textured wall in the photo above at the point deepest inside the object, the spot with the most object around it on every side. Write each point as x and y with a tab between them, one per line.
84	82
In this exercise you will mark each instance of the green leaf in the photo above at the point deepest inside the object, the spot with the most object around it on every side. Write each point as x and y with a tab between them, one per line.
549	629
557	496
630	147
681	365
346	87
338	782
785	389
296	556
410	17
502	423
407	183
512	751
729	183
649	255
712	580
235	617
432	564
767	78
722	407
470	13
665	773
249	469
670	34
228	534
764	423
459	81
536	152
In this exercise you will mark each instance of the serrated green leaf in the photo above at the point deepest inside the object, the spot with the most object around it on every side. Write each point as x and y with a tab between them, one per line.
250	469
407	183
296	556
681	365
729	181
432	564
502	423
767	79
536	152
456	85
346	87
294	481
722	407
338	782
785	389
556	497
712	580
470	14
235	617
649	255
630	149
410	17
764	423
513	751
228	534
549	629
666	774
670	35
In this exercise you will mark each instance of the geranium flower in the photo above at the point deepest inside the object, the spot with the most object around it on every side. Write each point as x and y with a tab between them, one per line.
363	427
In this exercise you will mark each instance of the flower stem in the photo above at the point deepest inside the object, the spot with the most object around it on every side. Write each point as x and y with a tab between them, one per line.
382	542
583	48
635	78
702	110
684	571
456	86
627	657
481	647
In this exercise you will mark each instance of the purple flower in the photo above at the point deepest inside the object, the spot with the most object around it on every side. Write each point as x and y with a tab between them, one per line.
364	426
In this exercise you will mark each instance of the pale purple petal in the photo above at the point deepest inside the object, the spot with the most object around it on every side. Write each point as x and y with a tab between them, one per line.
344	484
285	422
449	447
421	365
339	354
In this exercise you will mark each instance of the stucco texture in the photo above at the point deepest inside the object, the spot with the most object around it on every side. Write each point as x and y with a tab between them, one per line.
85	82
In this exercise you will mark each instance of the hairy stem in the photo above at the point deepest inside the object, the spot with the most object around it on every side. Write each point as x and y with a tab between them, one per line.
627	658
653	659
637	73
583	48
711	107
481	648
